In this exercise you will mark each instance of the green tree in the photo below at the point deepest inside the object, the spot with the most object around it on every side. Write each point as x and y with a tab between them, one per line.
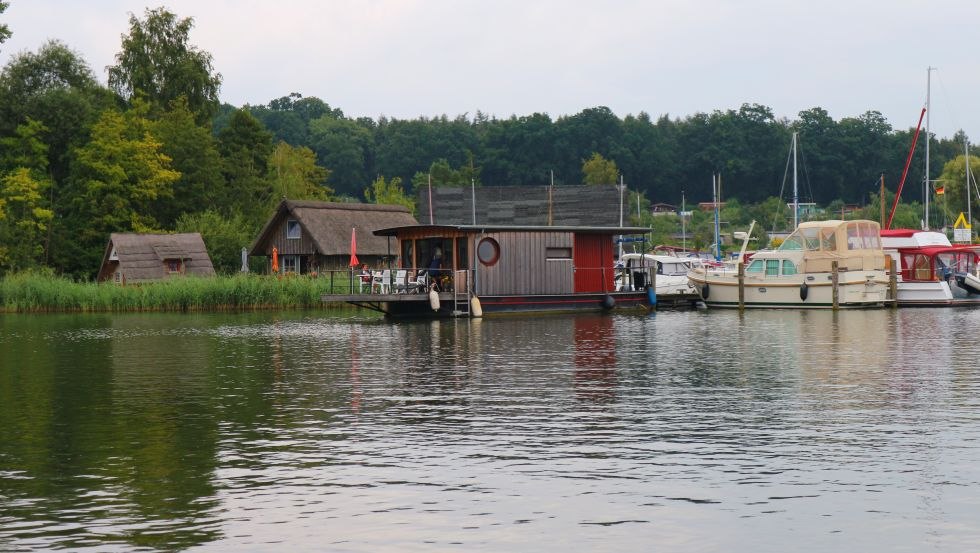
194	154
25	149
295	174
245	147
157	60
388	192
953	181
121	172
23	220
224	236
599	170
4	29
344	147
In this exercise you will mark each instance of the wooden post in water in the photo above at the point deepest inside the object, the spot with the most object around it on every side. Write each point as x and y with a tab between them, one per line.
835	282
892	282
741	286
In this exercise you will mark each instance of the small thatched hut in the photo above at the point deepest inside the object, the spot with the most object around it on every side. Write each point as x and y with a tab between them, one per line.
312	236
132	258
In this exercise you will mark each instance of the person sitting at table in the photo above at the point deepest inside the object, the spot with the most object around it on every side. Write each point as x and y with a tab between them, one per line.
365	276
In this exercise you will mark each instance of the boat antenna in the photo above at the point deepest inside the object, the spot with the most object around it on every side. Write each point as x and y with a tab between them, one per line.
905	172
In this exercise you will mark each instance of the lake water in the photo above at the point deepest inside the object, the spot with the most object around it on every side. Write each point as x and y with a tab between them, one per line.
339	431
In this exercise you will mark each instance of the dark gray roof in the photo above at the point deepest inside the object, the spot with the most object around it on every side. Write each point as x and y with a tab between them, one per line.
143	256
573	206
329	225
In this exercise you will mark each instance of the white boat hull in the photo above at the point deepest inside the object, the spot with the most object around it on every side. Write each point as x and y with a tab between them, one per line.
856	289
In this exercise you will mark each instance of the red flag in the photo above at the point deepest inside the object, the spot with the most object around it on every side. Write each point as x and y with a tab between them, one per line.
353	248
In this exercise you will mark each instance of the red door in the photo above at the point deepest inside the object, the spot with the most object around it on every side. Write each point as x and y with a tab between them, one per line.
593	260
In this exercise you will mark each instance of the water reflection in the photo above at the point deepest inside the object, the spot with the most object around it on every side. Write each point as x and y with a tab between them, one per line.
692	430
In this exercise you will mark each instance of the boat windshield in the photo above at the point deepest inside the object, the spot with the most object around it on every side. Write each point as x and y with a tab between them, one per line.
803	239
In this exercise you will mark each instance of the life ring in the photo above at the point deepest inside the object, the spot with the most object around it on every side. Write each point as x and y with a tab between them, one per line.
705	290
804	290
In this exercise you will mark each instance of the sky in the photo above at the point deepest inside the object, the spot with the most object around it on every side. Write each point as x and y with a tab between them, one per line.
411	58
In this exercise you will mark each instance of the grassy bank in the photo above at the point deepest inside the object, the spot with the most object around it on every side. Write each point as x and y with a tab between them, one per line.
34	292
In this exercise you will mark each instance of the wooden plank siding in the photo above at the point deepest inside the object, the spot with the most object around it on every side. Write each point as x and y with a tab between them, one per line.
292	246
523	267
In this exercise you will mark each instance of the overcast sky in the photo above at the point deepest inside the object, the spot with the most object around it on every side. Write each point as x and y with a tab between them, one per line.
411	58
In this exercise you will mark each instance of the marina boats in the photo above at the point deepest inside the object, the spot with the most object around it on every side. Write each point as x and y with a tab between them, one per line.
932	271
668	273
800	273
485	270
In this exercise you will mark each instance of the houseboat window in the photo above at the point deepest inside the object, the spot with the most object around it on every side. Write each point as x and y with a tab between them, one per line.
772	267
558	253
488	251
462	255
292	229
408	254
789	268
755	266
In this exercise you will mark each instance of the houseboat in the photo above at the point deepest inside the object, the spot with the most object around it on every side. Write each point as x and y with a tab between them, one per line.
800	273
446	270
931	270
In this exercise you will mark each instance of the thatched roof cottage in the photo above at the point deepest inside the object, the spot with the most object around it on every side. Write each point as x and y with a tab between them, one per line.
133	258
311	236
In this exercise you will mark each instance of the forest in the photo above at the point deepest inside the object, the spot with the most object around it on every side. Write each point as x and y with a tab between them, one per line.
155	150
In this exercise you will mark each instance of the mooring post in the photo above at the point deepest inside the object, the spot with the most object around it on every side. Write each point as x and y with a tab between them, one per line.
892	282
835	282
741	286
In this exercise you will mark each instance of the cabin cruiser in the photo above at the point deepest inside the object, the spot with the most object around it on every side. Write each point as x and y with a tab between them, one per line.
800	272
637	270
931	270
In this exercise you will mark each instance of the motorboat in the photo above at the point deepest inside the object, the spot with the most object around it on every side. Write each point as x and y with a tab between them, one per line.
635	271
931	270
800	273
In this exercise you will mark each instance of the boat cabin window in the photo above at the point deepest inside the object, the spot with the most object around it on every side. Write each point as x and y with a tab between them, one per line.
828	239
922	267
789	268
811	238
772	267
793	242
755	266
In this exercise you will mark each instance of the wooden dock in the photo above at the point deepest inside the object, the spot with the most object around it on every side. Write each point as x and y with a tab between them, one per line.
678	302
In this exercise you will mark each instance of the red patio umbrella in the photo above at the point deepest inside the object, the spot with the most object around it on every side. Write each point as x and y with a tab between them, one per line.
353	248
275	260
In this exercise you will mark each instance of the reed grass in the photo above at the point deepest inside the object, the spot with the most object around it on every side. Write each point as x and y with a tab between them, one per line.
33	292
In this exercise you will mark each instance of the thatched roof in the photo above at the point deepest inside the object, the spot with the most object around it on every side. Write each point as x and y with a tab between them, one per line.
329	225
144	256
569	205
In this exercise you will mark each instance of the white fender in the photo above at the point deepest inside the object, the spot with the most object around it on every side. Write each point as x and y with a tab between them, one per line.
434	300
476	310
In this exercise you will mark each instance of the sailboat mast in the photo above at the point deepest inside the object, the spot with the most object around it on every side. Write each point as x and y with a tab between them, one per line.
928	185
966	167
683	223
716	189
796	196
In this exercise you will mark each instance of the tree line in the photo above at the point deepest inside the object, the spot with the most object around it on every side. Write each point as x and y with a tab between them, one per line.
154	150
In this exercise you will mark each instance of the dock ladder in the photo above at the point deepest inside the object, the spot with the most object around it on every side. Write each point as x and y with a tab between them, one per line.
461	294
